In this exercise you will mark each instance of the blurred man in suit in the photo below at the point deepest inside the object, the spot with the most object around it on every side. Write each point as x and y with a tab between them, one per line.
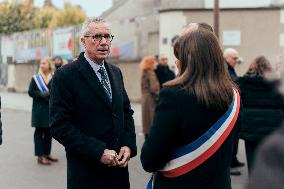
162	71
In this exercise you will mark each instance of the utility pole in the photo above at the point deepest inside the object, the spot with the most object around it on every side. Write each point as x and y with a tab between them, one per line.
216	17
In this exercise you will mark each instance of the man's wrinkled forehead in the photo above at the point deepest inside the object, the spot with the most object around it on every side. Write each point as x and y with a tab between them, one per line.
233	54
100	28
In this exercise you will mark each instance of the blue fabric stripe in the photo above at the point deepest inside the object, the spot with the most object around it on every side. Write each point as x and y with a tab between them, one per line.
201	140
42	85
150	183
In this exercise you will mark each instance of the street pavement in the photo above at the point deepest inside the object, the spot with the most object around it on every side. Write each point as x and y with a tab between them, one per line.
18	166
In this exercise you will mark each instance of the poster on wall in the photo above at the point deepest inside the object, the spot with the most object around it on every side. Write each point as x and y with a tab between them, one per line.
232	38
63	43
123	50
24	55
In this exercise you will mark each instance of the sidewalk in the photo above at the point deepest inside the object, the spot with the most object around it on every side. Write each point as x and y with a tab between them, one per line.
22	101
17	101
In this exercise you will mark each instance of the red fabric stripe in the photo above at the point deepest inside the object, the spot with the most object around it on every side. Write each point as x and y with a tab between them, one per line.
206	155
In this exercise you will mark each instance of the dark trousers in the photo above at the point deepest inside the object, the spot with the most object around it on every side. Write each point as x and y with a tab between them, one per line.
235	145
251	147
235	150
42	140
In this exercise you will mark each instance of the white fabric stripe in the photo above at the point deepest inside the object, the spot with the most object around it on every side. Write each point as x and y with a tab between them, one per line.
204	147
38	84
44	85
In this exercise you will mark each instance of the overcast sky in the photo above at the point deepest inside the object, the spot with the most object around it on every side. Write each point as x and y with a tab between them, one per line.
92	7
96	7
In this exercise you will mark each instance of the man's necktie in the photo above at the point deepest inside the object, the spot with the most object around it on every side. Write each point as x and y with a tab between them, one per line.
105	82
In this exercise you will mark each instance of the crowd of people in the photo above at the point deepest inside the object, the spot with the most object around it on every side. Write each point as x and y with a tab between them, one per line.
177	122
191	121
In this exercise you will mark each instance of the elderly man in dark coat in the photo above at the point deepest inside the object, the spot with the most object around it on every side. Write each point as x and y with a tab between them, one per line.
163	72
90	115
231	57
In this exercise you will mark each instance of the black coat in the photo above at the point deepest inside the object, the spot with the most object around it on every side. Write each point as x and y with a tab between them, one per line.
262	107
40	108
0	124
84	121
232	72
180	120
164	74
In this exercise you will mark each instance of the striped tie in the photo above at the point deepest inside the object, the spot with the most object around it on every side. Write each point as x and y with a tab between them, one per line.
105	82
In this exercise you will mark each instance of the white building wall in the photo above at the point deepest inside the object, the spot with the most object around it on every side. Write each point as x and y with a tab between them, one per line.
269	40
131	22
11	77
7	48
171	24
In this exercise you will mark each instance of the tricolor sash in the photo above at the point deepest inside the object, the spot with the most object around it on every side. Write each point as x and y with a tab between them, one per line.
40	83
194	154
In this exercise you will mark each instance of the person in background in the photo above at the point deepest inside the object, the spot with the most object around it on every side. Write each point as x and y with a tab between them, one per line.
263	105
194	26
150	88
162	71
0	124
58	62
39	90
190	107
231	60
91	115
268	169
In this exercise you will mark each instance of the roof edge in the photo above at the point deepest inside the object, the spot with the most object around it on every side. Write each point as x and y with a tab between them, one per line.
113	8
221	9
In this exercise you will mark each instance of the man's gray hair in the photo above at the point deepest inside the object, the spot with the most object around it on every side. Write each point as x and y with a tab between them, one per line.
229	51
86	24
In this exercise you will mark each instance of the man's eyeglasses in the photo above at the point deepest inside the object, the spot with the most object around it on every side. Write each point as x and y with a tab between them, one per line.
99	38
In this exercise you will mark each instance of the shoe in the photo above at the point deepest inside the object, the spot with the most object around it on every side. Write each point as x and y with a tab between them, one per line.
237	163
50	158
235	173
43	161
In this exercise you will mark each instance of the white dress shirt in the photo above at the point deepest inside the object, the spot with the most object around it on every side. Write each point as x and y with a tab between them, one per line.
96	68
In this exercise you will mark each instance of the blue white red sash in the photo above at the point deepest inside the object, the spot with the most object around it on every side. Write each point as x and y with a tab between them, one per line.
40	83
194	154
